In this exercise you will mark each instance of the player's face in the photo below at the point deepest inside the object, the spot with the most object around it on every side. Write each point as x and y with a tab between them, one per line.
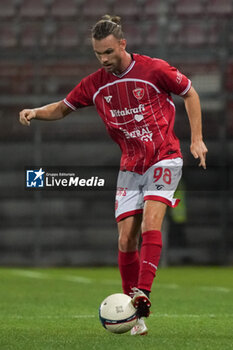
110	52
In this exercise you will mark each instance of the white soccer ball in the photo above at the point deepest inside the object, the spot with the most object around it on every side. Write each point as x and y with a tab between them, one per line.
117	314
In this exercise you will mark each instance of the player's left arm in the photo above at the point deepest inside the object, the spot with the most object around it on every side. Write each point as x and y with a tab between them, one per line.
193	108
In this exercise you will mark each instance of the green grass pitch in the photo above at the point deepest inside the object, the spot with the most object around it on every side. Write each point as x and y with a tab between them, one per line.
46	309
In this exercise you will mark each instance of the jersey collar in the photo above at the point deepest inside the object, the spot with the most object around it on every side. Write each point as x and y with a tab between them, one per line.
127	69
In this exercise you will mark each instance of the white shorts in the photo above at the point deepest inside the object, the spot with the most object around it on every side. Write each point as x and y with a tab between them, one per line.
158	183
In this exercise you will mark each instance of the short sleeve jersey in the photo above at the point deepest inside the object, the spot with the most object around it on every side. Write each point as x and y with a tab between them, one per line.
137	109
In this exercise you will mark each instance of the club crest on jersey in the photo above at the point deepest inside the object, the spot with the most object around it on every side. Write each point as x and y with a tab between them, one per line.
138	93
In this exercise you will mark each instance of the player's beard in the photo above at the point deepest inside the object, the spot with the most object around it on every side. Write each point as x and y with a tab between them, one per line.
114	66
109	67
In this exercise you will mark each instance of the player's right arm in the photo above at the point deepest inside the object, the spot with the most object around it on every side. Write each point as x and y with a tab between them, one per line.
53	111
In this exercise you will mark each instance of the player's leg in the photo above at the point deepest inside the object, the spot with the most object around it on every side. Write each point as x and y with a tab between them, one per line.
160	183
153	215
129	231
128	212
128	256
151	247
129	262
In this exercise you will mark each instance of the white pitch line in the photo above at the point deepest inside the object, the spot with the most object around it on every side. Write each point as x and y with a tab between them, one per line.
30	274
40	275
78	279
48	317
167	286
215	289
68	278
85	280
193	315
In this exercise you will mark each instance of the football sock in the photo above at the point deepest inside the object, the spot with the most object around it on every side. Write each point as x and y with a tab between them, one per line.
128	263
149	258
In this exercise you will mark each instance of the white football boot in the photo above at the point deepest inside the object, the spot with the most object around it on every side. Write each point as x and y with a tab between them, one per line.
140	328
142	303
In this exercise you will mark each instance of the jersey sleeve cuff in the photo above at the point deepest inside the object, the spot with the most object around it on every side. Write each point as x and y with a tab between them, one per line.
69	104
187	88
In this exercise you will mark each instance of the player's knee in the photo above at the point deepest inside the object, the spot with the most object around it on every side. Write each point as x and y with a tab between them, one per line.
151	222
127	243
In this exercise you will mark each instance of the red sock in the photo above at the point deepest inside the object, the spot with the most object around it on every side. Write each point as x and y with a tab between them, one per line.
129	269
149	258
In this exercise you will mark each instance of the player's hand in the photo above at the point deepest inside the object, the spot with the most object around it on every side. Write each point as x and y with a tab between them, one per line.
26	115
199	150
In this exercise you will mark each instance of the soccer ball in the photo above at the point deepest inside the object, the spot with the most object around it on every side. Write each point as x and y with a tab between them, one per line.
117	314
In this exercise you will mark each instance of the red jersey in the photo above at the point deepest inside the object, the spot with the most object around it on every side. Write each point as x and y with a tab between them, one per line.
137	109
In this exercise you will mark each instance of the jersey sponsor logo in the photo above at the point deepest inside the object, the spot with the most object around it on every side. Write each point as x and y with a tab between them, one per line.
150	263
159	187
127	111
108	98
138	93
144	134
121	191
138	117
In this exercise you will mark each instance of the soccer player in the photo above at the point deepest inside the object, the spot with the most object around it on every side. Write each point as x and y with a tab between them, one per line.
132	94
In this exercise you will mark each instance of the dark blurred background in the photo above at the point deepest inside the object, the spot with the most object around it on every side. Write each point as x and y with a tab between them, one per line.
44	52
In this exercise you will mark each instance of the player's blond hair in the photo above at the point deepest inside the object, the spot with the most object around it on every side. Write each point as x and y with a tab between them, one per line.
106	26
